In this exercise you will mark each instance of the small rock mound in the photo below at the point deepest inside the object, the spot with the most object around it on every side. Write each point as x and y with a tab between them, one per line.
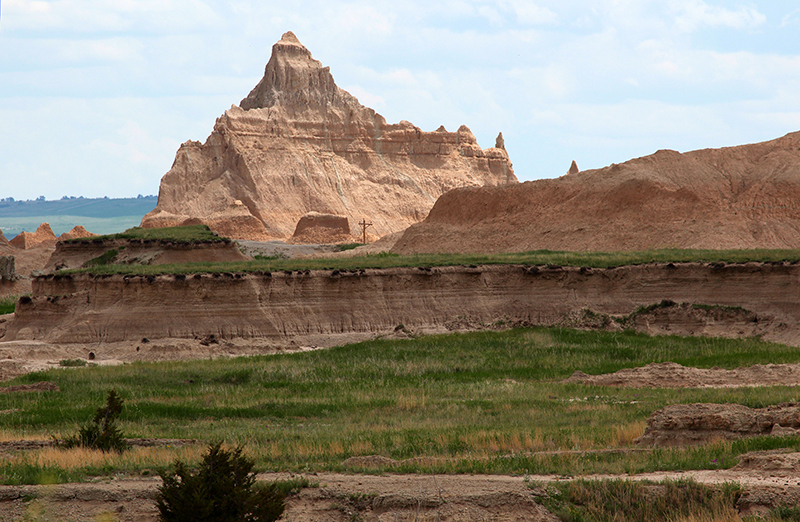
3	240
673	375
76	232
25	240
316	228
36	387
687	424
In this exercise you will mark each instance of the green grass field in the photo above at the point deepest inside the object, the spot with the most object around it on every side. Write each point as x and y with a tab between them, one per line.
487	402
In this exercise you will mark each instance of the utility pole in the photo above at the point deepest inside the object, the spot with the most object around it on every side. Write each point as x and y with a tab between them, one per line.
363	224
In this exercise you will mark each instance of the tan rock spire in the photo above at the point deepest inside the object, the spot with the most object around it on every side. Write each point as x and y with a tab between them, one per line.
500	143
573	169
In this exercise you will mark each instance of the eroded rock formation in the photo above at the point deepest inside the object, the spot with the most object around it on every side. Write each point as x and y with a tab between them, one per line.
731	198
322	228
681	424
3	240
26	240
298	143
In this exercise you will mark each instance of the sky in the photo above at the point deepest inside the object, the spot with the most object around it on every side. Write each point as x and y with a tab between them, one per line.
97	95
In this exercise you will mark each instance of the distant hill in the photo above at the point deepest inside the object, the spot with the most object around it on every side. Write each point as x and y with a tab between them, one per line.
98	215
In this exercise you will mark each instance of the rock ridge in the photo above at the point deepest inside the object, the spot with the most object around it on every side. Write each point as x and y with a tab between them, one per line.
740	197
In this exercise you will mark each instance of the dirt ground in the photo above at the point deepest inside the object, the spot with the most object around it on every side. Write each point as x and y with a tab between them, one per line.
388	497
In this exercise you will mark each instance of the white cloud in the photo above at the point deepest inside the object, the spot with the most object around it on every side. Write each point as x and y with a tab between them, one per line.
528	13
792	18
106	16
691	15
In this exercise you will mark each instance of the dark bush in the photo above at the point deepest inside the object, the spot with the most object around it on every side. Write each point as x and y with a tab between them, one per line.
222	490
101	433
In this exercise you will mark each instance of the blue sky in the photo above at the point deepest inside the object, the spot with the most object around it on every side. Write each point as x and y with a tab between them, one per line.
97	95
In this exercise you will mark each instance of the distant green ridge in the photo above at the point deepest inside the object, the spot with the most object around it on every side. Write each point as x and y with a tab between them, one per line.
98	215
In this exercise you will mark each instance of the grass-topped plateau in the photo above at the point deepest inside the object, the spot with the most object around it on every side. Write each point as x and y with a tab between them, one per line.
489	402
183	234
388	260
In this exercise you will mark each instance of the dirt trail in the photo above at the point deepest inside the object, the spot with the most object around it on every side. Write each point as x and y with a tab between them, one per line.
389	497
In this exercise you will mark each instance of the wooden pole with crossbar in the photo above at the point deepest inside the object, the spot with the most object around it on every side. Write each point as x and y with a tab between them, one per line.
363	223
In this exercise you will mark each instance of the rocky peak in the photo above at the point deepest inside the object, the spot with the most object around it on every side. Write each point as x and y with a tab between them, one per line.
294	79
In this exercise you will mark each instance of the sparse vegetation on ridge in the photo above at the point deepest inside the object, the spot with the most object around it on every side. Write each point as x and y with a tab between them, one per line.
595	260
486	402
184	234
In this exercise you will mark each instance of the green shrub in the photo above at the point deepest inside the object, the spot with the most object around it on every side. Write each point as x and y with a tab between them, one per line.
222	490
72	362
102	433
106	258
342	247
8	304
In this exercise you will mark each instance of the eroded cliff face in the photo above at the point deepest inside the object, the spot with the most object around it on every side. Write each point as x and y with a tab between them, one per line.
736	197
298	144
281	305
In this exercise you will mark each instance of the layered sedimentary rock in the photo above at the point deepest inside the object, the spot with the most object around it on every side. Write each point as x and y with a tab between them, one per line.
288	304
26	240
730	198
3	240
298	144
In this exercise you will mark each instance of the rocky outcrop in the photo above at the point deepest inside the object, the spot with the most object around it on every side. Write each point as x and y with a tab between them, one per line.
682	424
3	240
298	144
43	235
732	198
8	272
322	228
284	305
76	233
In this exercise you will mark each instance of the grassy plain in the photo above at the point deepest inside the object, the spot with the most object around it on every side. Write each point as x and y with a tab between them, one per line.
488	402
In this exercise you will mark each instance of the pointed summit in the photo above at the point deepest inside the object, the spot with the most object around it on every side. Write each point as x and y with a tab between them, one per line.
573	169
295	80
